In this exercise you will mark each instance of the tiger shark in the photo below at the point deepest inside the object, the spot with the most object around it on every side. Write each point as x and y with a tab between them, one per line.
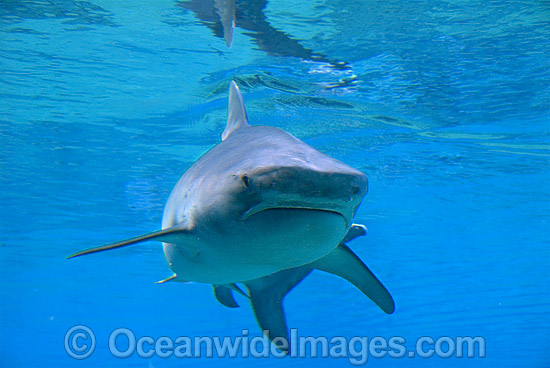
259	202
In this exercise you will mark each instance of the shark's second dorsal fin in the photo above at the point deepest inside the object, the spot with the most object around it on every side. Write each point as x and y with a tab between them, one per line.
236	117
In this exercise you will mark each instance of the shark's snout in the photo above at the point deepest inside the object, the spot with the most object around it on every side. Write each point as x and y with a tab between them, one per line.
359	184
299	187
308	182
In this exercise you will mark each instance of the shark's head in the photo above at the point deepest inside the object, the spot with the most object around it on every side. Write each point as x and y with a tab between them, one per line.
261	168
284	173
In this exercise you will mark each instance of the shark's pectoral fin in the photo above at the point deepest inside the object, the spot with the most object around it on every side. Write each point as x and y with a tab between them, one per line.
344	263
168	279
224	295
355	231
168	235
266	297
236	118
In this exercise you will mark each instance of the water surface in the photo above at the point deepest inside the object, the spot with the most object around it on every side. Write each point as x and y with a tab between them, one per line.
443	104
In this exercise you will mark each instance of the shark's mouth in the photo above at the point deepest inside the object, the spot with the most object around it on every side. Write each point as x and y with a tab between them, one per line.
265	208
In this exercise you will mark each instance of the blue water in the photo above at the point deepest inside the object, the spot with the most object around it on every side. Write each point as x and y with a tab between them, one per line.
445	105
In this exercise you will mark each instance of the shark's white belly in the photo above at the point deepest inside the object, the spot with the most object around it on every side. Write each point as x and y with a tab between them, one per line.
266	242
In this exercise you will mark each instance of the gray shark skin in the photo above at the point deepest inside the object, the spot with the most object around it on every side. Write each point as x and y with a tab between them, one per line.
266	294
259	202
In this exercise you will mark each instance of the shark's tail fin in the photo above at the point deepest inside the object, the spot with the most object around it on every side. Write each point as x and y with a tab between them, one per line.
266	297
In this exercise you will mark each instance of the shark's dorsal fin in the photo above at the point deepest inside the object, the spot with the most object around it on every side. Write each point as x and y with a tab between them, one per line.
166	235
236	114
344	263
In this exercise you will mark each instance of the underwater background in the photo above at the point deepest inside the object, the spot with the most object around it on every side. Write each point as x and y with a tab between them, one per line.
445	105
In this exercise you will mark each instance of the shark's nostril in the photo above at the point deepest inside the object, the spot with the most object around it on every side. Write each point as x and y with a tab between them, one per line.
355	190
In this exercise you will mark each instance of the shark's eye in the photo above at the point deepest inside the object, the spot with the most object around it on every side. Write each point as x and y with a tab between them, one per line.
244	178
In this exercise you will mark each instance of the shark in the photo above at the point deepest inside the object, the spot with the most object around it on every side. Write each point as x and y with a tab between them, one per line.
263	209
222	16
266	294
259	202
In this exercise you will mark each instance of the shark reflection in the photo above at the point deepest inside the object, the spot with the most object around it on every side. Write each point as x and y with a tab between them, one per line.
222	15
